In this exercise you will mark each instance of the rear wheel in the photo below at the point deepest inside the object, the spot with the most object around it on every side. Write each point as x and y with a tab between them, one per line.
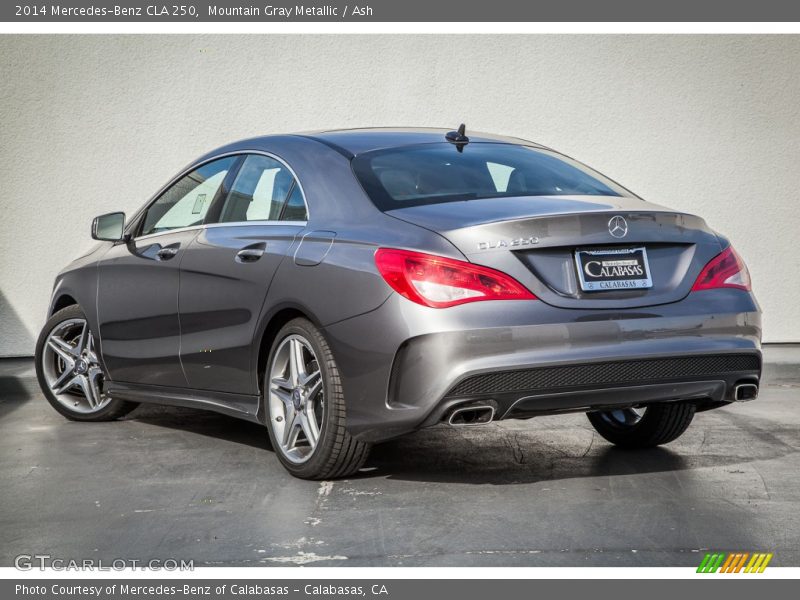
305	407
643	427
69	370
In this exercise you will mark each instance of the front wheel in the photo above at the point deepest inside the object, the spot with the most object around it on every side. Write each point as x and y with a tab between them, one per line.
643	427
69	370
305	409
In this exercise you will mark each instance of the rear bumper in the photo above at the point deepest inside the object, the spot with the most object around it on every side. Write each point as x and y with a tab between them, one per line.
709	379
405	366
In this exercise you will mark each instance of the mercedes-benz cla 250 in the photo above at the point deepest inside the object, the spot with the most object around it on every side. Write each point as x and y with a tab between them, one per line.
347	287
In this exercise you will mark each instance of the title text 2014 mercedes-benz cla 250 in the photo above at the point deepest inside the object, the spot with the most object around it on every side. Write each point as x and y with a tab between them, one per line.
347	287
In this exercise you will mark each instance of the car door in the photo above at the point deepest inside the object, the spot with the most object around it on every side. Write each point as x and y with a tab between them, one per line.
227	270
138	281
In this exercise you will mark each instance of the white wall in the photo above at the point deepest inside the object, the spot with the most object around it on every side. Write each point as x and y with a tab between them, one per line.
706	124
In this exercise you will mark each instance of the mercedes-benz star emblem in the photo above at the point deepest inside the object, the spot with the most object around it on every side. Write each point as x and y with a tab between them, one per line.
618	227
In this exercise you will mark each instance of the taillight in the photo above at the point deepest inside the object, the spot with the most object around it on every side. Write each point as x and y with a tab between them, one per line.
726	270
440	282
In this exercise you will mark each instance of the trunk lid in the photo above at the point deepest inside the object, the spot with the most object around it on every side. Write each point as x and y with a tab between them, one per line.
535	241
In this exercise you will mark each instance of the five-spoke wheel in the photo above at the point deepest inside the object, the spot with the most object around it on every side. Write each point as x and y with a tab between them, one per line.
305	408
71	367
70	372
643	427
296	398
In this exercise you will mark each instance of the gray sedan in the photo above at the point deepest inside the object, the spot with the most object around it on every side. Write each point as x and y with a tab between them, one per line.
346	287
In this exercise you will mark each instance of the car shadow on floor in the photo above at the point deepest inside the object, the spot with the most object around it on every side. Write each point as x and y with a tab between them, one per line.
496	463
491	455
14	394
204	423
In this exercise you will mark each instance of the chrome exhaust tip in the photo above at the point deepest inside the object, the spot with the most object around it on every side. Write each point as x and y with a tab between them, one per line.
744	392
471	415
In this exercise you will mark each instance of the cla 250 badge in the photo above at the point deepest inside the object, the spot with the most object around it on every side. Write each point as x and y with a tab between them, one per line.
524	241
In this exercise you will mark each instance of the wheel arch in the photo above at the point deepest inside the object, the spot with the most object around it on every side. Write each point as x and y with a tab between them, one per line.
62	301
269	331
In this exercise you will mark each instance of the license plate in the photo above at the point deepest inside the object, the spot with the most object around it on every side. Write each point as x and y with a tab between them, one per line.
613	269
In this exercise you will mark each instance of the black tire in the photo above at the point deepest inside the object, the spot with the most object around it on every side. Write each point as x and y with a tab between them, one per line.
660	424
337	453
113	409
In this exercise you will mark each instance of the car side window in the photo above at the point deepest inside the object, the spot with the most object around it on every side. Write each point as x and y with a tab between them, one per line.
187	201
295	209
260	191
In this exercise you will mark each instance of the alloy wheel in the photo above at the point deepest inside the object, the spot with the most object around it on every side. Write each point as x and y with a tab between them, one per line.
296	399
71	367
623	417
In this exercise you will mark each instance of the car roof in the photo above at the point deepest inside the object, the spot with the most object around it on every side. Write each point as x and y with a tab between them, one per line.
358	141
352	142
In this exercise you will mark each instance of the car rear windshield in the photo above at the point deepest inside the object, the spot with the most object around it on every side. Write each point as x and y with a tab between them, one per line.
434	173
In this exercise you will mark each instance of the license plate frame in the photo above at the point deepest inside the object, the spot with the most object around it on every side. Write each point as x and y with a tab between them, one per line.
615	259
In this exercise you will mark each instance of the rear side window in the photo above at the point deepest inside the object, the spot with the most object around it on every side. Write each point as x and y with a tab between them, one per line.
434	173
261	191
295	206
186	202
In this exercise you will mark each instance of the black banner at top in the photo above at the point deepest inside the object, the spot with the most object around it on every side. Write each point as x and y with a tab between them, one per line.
400	10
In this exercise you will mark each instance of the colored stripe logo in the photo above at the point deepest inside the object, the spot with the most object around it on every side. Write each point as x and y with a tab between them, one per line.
734	562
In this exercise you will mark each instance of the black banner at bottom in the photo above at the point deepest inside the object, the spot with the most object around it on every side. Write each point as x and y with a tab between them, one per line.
395	589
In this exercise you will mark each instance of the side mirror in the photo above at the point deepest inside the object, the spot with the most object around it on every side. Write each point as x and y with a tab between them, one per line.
109	228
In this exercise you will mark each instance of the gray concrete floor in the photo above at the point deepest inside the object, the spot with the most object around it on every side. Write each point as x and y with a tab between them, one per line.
178	483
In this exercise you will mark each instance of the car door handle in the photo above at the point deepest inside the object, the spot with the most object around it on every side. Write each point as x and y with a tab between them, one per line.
167	253
246	255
